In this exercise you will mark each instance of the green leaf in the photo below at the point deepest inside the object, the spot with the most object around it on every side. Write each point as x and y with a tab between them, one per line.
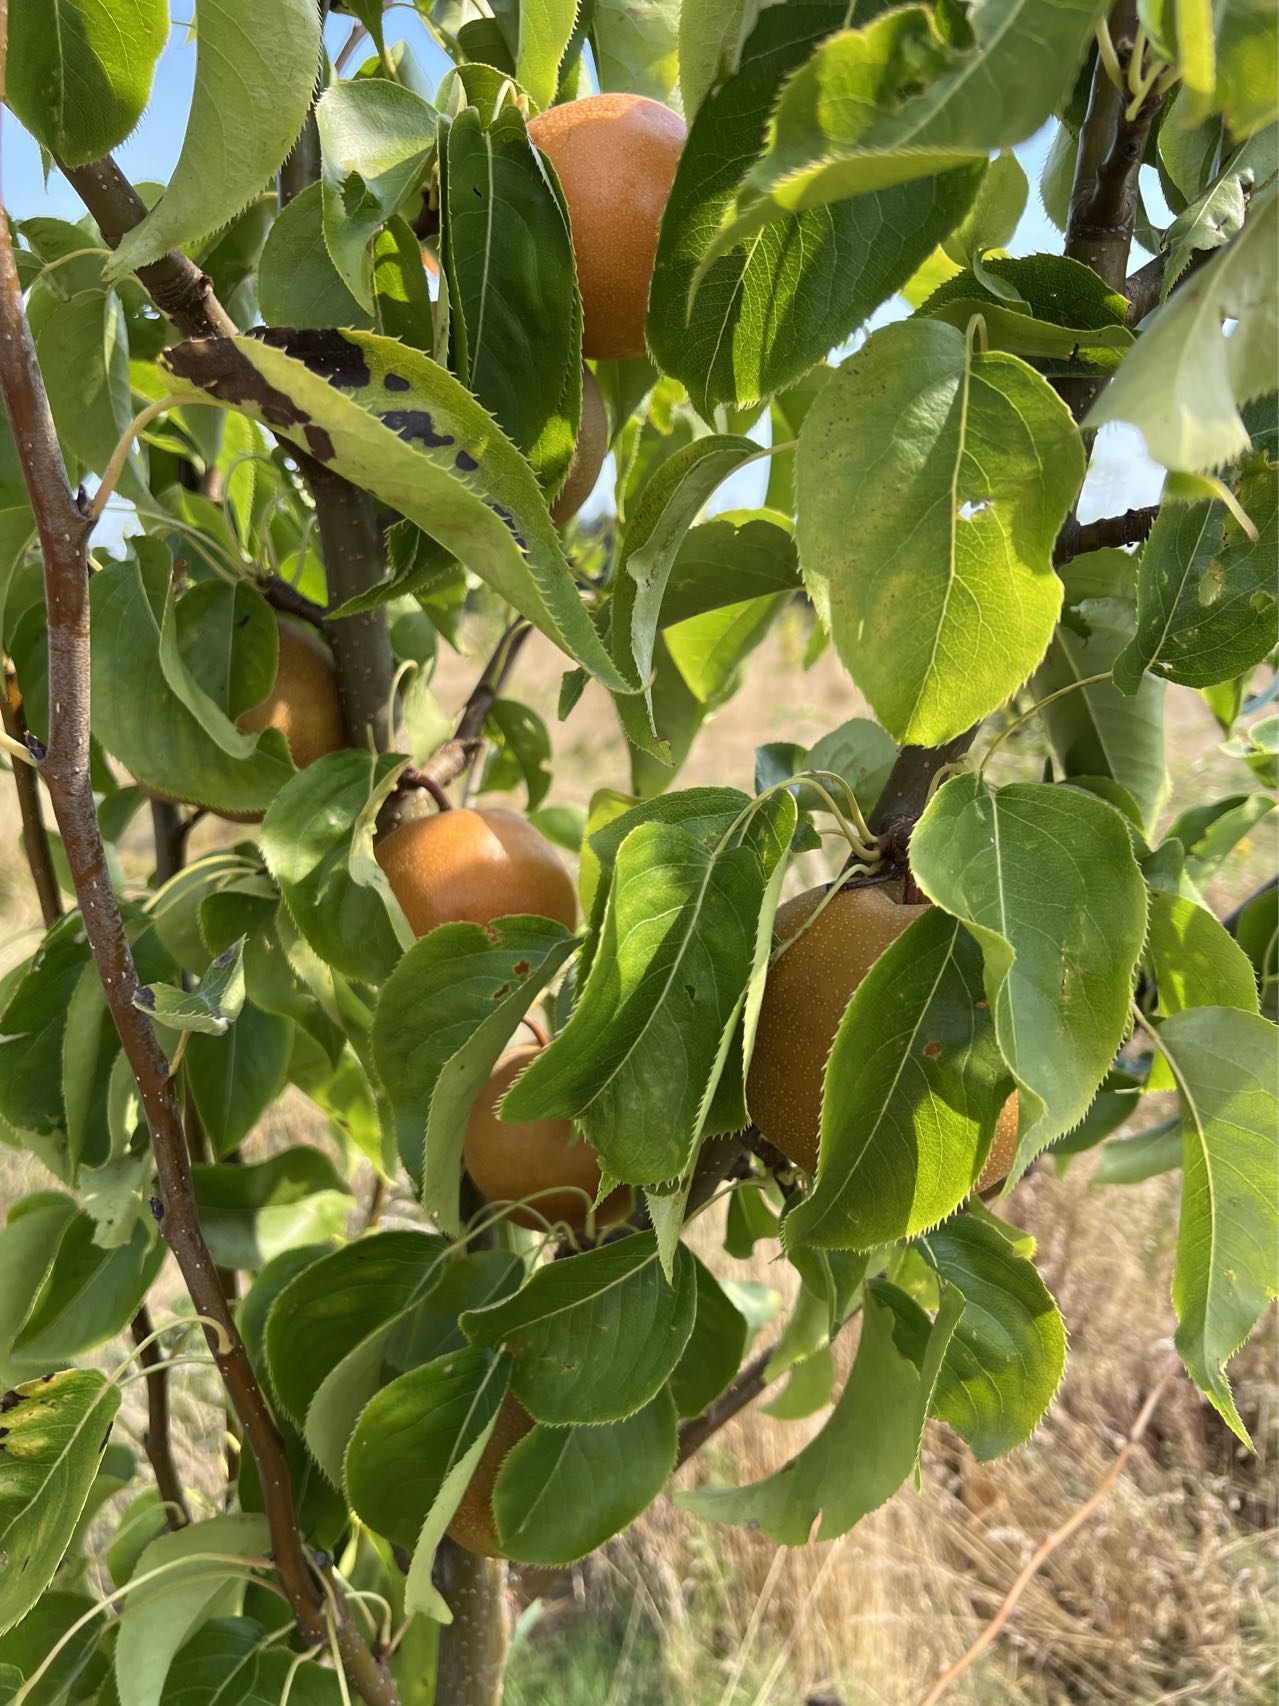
542	1516
310	844
1223	1062
985	459
137	716
656	527
32	1641
711	35
1194	959
375	138
639	1060
1247	72
914	1086
251	1213
786	295
116	1197
443	1018
425	1328
235	1077
1218	214
715	1348
1206	606
1184	383
546	27
1130	1160
228	1659
334	1303
1257	932
734	558
212	1008
865	1450
256	64
881	105
413	1435
515	319
521	752
298	285
401	301
32	1027
1045	878
594	1338
79	71
83	349
1096	730
160	1614
89	1294
636	46
1008	1353
28	1245
995	214
55	1431
389	419
1053	310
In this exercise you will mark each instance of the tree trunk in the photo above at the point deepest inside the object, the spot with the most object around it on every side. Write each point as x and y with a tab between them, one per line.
472	1653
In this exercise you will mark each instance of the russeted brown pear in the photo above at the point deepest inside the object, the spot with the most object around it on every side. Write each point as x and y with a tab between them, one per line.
588	454
615	157
510	1160
467	866
474	1526
808	989
304	702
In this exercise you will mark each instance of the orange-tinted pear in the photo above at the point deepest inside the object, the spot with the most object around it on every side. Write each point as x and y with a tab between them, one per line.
588	455
474	1526
615	157
474	866
304	702
535	1158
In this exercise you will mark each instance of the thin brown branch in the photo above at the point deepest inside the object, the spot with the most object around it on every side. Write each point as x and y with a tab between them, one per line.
1130	528
63	531
35	838
752	1380
457	755
290	602
1104	198
157	1439
1050	1543
181	292
169	835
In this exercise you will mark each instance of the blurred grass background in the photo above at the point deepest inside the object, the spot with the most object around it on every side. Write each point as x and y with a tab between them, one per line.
1169	1594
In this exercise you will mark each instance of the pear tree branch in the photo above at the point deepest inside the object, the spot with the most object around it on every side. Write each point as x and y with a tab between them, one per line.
63	528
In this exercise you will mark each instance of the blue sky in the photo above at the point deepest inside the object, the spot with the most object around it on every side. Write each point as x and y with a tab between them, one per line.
1121	474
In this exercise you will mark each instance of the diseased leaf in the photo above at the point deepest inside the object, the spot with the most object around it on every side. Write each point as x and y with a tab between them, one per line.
212	1008
55	1431
985	459
1223	1062
392	421
1045	878
256	64
594	1338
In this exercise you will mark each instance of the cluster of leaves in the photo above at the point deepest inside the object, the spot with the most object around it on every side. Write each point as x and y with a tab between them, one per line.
828	167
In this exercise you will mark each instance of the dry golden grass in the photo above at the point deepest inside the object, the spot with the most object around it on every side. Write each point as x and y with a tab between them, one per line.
1169	1594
